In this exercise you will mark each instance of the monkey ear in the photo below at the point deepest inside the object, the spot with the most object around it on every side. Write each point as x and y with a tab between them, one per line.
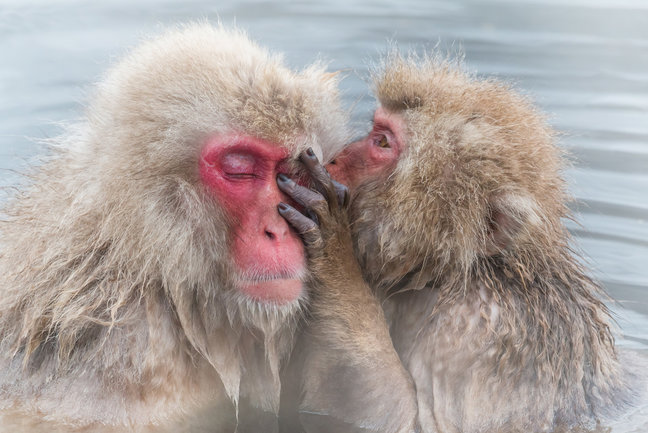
510	216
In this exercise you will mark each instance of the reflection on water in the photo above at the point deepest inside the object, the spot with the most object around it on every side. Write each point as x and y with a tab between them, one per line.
585	63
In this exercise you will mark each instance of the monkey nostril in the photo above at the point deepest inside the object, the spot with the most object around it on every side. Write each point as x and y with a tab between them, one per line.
270	235
332	162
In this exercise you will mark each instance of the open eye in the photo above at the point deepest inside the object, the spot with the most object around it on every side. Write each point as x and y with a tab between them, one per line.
381	141
238	165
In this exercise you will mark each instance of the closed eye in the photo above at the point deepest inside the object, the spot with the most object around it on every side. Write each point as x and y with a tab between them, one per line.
239	165
241	175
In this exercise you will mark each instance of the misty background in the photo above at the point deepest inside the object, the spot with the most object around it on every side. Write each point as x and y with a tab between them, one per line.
584	62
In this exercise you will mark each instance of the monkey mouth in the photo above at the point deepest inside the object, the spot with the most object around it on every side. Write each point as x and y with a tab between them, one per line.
278	288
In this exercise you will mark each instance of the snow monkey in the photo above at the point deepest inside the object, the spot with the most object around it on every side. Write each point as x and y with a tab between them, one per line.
456	206
148	281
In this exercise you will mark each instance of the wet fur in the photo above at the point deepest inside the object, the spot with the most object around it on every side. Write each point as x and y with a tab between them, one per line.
117	308
489	307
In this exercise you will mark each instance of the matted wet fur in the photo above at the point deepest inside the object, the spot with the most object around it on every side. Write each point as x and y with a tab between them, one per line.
116	302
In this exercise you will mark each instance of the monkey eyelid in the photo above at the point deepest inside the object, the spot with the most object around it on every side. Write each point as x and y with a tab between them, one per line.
380	127
240	165
241	176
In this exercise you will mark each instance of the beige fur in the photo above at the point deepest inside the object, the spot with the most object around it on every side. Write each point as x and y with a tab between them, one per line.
116	303
489	308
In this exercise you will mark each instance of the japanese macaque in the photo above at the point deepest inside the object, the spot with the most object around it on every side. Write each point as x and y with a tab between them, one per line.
148	281
456	206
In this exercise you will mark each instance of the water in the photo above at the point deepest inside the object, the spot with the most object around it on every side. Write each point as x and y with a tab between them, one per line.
585	63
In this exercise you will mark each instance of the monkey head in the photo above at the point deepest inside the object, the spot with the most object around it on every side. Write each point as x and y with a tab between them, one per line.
455	172
170	182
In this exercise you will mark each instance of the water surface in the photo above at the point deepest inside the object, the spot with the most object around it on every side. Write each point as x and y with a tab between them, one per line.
585	63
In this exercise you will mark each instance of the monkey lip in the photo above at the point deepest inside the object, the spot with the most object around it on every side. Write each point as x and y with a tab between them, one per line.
277	290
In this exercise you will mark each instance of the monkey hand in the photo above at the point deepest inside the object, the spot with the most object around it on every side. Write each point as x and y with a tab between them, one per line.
352	379
324	225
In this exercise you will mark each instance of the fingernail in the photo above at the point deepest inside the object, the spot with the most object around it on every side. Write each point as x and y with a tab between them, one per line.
282	177
283	206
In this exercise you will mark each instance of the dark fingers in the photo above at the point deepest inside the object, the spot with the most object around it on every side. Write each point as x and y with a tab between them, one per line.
321	179
304	226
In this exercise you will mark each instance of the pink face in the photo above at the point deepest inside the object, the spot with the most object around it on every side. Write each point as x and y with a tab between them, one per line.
241	173
375	155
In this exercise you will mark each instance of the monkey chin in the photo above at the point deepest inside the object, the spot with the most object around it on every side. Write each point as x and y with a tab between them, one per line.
280	291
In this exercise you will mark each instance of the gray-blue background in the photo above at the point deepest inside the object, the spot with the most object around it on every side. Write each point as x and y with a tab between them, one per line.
584	62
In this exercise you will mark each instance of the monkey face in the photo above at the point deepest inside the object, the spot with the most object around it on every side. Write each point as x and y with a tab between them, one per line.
239	171
373	156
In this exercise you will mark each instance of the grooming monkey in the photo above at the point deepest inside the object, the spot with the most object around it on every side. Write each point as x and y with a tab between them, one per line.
456	206
148	281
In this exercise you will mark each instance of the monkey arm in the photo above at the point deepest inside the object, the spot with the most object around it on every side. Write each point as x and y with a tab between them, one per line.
352	377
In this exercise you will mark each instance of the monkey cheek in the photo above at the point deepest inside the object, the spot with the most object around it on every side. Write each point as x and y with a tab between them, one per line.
337	172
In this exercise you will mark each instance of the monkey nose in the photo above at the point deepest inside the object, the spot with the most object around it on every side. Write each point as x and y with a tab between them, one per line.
276	230
280	241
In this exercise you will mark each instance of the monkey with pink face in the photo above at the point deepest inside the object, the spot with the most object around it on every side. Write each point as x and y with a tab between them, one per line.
452	247
148	281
